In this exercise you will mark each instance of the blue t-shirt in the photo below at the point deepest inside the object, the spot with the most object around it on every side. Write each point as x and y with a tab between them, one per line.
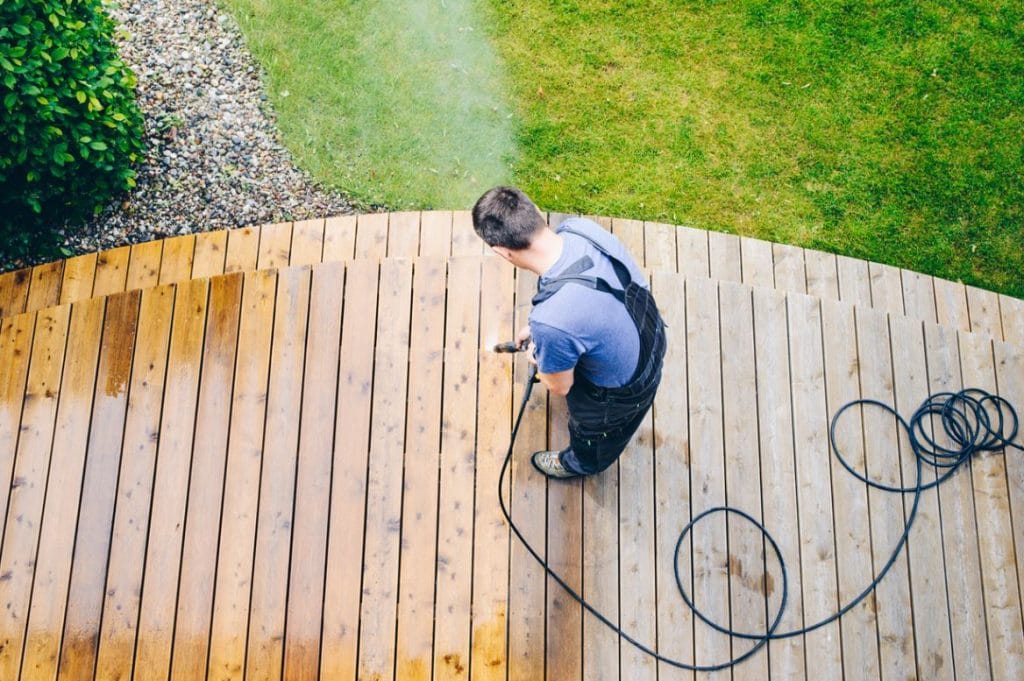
579	326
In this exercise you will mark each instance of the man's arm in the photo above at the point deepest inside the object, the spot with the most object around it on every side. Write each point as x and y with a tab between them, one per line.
557	383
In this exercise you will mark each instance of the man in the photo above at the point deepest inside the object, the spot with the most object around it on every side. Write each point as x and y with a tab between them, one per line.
597	336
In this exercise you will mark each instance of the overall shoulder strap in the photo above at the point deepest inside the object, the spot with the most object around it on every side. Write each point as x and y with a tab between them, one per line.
596	283
621	271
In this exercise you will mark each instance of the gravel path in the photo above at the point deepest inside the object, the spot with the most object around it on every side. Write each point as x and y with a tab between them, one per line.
214	158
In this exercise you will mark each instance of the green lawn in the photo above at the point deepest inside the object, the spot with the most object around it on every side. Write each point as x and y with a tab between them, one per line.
885	130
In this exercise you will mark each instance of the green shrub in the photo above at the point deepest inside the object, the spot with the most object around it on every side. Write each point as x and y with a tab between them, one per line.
69	125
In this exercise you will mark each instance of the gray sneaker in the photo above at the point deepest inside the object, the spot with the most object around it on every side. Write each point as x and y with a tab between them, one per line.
549	463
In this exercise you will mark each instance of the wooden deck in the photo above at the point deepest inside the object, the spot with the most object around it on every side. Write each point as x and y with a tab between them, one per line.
291	469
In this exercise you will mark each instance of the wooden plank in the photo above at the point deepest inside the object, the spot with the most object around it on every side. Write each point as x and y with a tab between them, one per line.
1012	310
631	234
790	275
526	606
170	483
959	528
176	264
436	233
924	548
206	481
983	311
143	267
372	235
378	608
757	262
660	246
814	496
886	288
275	246
242	477
822	275
210	253
307	243
491	533
113	587
345	540
243	249
881	445
724	250
854	281
339	238
414	645
849	495
995	536
112	271
464	238
313	475
951	305
52	559
403	234
748	580
778	472
458	456
267	609
14	291
693	258
918	296
44	291
671	479
15	350
79	273
28	484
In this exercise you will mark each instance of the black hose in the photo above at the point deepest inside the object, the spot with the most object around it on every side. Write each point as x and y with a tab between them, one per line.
973	420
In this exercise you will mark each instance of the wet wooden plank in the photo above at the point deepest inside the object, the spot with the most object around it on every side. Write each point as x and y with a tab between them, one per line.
854	281
458	456
436	233
378	608
14	291
170	483
210	254
951	305
918	296
886	288
44	291
313	475
242	477
757	262
243	249
76	282
983	311
15	351
822	275
491	543
275	246
345	539
790	275
206	480
307	242
112	271
52	559
339	238
28	484
176	264
724	250
1012	311
403	234
414	645
660	246
693	258
265	650
464	238
372	235
631	234
143	266
112	587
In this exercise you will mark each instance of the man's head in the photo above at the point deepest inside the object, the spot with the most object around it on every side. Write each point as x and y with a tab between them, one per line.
506	219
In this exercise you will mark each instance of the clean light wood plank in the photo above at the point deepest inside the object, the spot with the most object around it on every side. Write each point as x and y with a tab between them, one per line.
112	271
814	496
1012	310
210	253
671	479
52	559
112	587
790	275
265	650
748	581
176	264
404	234
345	540
951	305
959	528
886	288
275	246
464	239
28	485
995	533
307	243
725	256
206	480
243	249
436	233
414	645
707	467
378	608
458	438
14	291
170	483
854	281
372	235
778	472
822	275
660	246
313	476
693	258
491	533
850	495
983	310
143	267
924	548
918	296
44	291
242	477
757	262
631	234
15	350
339	238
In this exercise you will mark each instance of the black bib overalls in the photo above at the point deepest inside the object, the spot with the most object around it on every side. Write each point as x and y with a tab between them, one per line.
603	420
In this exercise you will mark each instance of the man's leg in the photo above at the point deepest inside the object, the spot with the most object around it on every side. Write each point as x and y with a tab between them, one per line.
588	455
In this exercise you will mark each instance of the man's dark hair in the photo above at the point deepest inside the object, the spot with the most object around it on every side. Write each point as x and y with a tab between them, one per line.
505	216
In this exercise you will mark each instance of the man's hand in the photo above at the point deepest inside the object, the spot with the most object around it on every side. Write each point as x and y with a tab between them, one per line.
522	337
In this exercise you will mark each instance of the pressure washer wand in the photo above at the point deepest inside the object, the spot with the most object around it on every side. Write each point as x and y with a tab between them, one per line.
512	346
